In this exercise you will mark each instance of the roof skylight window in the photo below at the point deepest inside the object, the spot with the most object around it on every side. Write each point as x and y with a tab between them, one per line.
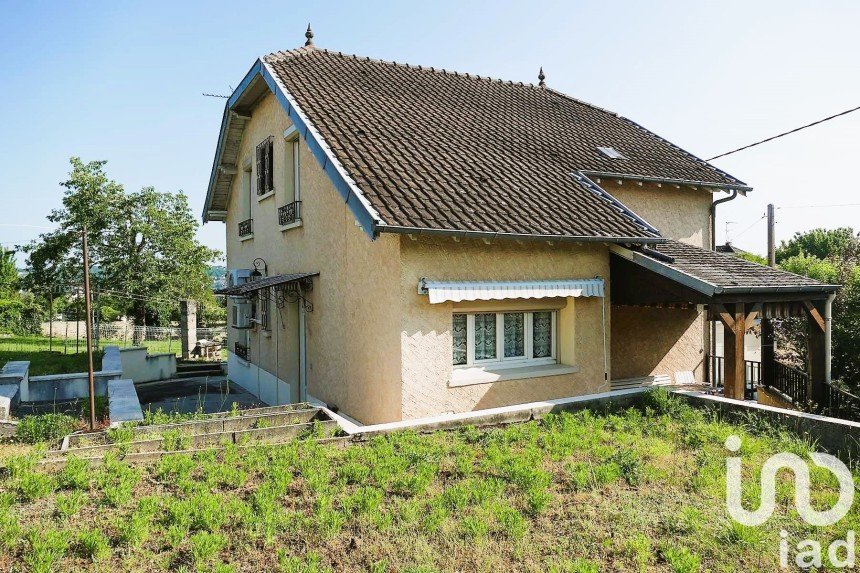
611	152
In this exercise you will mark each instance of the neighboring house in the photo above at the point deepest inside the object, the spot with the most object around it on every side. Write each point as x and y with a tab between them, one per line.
405	241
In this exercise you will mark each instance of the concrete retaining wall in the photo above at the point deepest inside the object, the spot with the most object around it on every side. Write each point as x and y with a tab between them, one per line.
259	382
139	366
16	373
839	437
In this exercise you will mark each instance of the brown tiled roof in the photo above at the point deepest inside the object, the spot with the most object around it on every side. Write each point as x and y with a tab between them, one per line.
728	273
448	151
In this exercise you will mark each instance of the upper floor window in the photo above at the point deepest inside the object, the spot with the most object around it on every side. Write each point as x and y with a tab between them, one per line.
291	168
265	166
290	213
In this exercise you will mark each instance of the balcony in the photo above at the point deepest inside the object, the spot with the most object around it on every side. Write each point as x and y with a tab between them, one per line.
290	214
246	228
241	351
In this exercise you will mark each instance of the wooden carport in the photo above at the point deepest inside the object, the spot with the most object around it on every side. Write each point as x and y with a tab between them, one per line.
735	292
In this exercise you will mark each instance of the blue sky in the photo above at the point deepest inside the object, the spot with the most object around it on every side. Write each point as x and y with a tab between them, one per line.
123	82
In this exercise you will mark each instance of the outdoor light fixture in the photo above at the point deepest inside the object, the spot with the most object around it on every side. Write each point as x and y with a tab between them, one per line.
256	274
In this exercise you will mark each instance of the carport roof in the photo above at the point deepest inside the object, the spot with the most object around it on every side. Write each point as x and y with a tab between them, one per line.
714	274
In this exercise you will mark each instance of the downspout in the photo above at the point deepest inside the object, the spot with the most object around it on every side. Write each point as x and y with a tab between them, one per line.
713	329
828	332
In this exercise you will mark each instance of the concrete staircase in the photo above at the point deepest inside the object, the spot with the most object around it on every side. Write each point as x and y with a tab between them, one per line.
270	425
199	369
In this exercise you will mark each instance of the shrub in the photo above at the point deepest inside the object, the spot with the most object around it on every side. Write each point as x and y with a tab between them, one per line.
44	428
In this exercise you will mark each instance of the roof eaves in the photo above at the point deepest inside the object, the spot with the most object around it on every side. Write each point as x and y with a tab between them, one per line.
367	216
744	189
666	270
492	235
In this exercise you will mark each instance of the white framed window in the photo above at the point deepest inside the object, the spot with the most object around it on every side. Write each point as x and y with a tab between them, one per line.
504	338
292	192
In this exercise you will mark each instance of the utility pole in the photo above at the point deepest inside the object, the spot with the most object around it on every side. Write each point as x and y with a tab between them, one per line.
771	238
768	346
88	307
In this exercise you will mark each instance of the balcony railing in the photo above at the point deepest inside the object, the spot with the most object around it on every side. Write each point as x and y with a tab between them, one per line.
752	374
791	382
290	213
246	228
840	404
241	351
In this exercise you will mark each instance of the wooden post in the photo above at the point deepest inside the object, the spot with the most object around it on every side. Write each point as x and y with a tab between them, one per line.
768	353
734	383
816	366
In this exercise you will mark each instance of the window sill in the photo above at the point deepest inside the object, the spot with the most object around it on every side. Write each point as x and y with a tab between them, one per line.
247	238
265	195
477	375
294	225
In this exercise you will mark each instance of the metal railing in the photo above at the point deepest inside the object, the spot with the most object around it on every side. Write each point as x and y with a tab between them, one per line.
839	403
290	213
241	351
791	382
716	366
246	227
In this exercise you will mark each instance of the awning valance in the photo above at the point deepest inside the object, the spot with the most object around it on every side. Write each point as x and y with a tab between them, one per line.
442	291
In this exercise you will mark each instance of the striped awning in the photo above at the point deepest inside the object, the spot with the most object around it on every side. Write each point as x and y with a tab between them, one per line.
442	291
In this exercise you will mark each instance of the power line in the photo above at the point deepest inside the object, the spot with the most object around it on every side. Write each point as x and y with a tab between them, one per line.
783	134
756	222
819	206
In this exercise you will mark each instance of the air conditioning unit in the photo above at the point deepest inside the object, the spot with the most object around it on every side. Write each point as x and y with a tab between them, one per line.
243	312
238	277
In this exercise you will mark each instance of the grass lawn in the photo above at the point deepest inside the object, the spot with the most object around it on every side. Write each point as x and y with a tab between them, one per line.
44	362
633	490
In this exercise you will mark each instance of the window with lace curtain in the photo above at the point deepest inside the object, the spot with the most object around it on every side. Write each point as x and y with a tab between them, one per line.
504	338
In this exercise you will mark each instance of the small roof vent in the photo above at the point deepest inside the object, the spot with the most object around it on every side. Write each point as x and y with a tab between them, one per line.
611	152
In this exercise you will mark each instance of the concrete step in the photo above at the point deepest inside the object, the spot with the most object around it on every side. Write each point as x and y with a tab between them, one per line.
198	373
253	435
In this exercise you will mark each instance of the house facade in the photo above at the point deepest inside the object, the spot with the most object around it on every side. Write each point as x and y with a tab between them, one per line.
405	242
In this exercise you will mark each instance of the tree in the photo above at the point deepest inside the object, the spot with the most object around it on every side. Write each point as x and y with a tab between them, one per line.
19	313
829	256
821	244
143	249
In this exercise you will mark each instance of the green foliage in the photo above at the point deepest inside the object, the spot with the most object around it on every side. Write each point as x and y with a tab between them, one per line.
69	504
76	474
681	560
205	546
819	244
36	485
93	543
830	256
47	547
44	428
141	242
109	313
753	258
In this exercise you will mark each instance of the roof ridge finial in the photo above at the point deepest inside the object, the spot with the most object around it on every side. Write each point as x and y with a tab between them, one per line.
310	36
541	78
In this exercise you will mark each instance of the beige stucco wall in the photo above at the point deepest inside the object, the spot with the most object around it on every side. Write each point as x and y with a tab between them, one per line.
426	328
682	214
662	341
353	335
654	341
